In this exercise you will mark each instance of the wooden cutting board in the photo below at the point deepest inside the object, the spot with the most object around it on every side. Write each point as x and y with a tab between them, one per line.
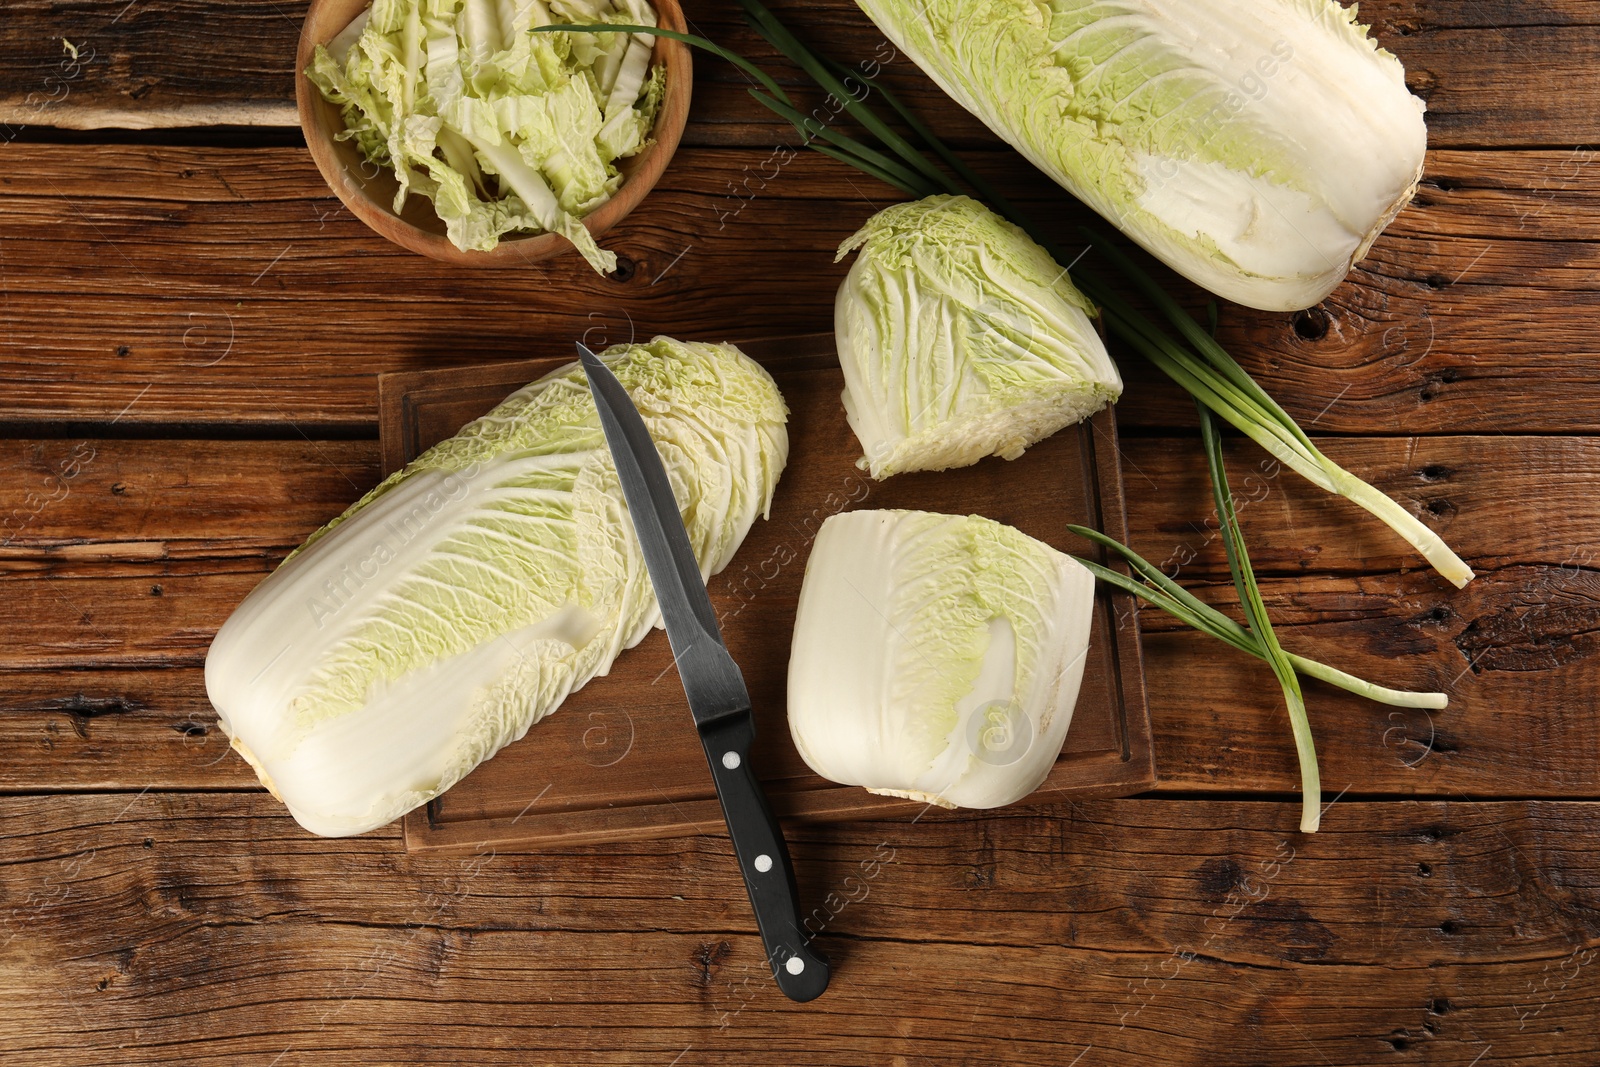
620	758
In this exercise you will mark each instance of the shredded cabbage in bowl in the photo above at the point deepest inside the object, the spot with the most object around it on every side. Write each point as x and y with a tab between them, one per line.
503	129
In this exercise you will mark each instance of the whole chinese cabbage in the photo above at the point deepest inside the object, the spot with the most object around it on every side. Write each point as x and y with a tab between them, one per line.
461	600
1257	147
961	338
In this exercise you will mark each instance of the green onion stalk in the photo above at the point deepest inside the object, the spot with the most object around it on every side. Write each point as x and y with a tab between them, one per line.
1255	610
1153	586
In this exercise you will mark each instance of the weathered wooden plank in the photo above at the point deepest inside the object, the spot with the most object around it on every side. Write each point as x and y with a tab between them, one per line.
291	306
82	499
210	285
84	667
157	928
1513	651
79	501
172	63
126	614
184	63
1475	492
125	728
96	503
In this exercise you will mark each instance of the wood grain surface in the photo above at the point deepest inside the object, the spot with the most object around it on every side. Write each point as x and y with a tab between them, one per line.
205	521
207	929
224	286
182	63
192	334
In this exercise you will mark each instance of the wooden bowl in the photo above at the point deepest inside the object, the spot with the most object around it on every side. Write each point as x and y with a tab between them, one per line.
368	191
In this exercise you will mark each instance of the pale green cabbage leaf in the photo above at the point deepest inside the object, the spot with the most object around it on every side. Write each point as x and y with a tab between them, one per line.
504	130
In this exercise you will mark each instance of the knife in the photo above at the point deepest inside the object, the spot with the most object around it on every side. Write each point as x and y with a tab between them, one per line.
715	688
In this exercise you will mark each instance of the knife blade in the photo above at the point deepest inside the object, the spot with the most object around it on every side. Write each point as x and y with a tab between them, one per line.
713	684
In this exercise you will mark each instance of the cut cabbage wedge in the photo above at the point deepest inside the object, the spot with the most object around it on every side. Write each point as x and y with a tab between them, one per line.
936	657
961	338
461	600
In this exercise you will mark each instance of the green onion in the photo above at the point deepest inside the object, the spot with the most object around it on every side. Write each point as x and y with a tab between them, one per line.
1229	391
907	179
774	32
1155	587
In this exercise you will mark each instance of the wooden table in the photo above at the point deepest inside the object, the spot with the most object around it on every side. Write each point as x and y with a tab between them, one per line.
192	333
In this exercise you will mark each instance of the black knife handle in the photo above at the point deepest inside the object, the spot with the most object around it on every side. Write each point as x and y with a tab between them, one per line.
800	972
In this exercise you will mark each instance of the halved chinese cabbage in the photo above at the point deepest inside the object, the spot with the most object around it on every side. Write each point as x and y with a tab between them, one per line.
936	657
1257	147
